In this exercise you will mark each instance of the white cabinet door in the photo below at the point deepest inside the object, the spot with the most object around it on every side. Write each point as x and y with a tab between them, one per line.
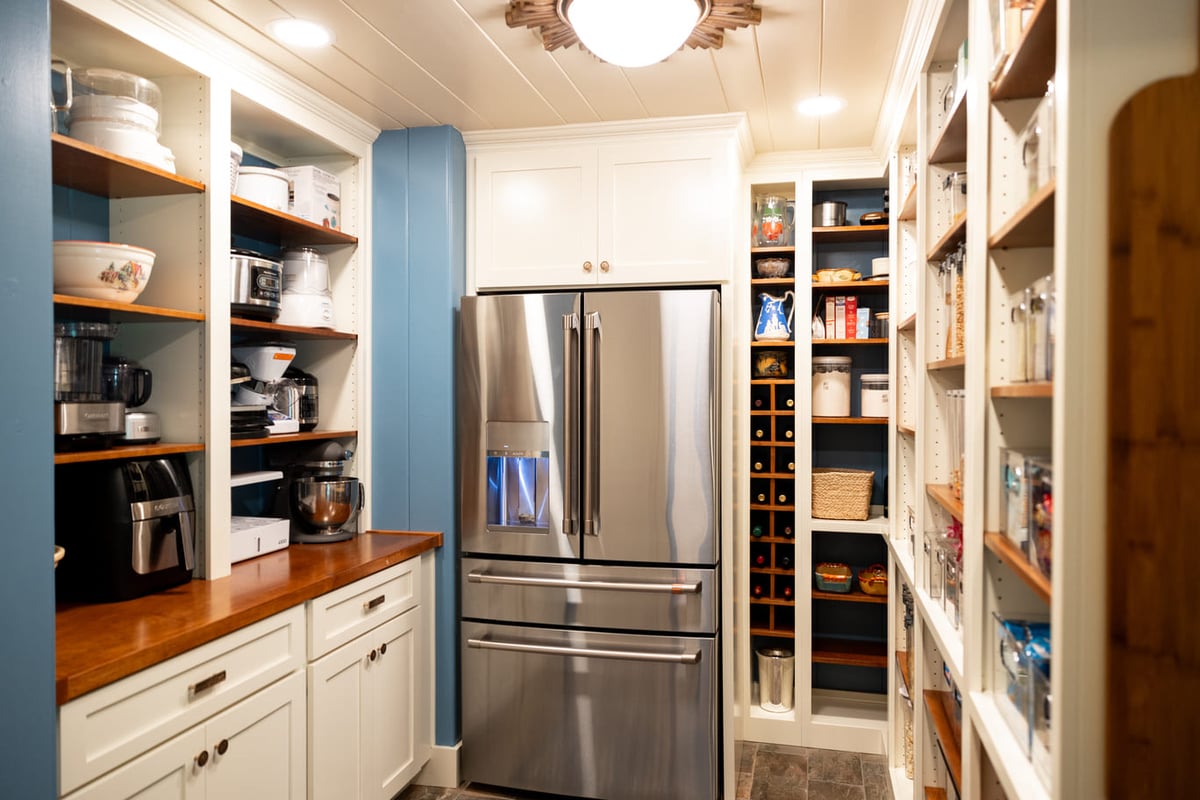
168	772
665	212
335	729
535	218
257	748
396	718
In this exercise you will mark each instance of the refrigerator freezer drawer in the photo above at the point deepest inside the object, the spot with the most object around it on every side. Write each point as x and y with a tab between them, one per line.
585	714
671	599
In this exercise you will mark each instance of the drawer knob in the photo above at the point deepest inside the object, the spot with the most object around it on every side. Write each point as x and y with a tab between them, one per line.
587	266
206	684
383	648
374	603
202	759
222	746
372	655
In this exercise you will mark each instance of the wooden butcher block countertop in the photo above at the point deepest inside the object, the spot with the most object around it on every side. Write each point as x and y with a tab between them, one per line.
100	643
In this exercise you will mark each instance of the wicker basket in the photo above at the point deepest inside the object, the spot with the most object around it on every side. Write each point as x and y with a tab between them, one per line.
841	493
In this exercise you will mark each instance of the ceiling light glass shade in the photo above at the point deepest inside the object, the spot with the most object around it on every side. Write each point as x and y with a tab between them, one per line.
820	105
300	33
633	33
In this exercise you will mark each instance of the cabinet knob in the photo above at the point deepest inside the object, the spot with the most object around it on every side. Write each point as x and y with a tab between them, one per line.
604	266
202	759
587	266
222	746
372	655
383	648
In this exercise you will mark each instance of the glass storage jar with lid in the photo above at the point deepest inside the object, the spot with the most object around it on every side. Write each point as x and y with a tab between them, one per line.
831	386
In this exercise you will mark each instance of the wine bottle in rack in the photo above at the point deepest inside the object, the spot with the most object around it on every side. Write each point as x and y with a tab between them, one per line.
760	559
782	496
760	433
785	561
757	589
756	531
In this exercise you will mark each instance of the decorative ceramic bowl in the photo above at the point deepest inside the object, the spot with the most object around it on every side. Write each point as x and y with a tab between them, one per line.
771	267
101	270
59	552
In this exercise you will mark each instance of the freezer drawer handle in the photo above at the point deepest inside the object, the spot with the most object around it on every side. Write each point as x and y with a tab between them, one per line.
567	583
586	652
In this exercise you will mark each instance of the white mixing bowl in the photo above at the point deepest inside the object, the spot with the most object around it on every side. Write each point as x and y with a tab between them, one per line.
101	270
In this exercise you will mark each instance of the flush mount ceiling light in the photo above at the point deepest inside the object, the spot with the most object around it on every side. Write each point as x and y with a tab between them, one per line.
820	105
632	33
300	33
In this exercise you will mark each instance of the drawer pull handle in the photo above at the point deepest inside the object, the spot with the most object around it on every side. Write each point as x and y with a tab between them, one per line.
206	684
202	759
383	648
222	746
372	656
378	601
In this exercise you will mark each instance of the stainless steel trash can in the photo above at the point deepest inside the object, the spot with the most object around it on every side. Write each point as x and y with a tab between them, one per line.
776	679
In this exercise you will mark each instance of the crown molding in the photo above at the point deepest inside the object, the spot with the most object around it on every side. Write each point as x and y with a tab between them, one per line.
921	23
576	132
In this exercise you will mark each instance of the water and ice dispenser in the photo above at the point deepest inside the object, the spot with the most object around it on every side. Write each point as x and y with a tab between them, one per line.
518	477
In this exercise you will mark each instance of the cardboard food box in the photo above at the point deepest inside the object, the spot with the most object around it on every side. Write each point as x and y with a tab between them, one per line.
315	195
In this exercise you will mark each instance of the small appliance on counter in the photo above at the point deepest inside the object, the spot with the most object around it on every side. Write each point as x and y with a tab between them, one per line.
306	301
83	418
267	389
321	501
128	383
255	281
129	526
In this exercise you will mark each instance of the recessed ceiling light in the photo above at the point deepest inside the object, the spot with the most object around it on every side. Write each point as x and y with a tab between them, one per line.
300	33
820	105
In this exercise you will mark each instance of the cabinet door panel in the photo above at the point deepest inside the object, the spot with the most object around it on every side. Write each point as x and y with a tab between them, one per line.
167	772
665	213
535	218
336	700
264	757
396	747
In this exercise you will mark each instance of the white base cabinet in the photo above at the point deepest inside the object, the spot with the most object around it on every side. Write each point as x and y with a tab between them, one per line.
617	205
252	751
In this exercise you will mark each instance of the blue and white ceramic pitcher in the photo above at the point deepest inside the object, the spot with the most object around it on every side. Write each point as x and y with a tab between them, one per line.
774	320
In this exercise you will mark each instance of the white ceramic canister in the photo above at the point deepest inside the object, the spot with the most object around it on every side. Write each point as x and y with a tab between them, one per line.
265	186
873	396
831	386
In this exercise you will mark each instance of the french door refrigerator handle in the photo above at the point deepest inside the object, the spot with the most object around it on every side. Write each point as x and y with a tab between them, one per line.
585	652
590	500
476	576
570	324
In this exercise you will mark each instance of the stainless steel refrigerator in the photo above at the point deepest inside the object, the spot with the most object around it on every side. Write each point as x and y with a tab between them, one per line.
590	522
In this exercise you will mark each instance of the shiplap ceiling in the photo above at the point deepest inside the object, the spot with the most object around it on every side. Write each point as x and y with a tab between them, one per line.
412	63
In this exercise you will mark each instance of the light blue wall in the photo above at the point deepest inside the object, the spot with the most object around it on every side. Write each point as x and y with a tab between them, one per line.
419	252
27	707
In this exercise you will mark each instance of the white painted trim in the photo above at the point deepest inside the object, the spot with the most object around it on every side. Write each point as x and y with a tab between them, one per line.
713	123
916	36
442	767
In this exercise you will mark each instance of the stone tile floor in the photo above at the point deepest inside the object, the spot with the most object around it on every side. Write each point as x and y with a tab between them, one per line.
765	772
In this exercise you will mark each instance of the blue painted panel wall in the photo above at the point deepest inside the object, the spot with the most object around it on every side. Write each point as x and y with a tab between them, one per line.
27	735
419	252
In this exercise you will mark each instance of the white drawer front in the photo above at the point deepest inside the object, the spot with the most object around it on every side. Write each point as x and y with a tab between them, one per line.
115	723
341	615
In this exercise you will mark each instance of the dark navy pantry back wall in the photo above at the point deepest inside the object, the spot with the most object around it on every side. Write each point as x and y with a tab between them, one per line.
419	199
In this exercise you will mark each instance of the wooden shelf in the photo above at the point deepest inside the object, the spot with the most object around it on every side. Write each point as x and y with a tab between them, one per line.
906	429
787	280
849	233
1032	225
243	324
849	341
935	793
939	705
770	507
849	420
849	597
81	166
1031	62
782	633
772	601
109	310
775	475
777	250
849	652
128	451
786	343
908	211
950	239
903	663
844	286
943	495
268	225
951	146
958	362
1035	389
768	381
310	436
1007	552
909	323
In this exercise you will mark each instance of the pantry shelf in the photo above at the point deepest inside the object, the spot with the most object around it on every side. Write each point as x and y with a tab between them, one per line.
944	496
1032	225
777	632
243	324
268	225
951	147
908	211
128	451
908	430
845	286
849	652
310	436
849	597
849	420
849	341
1032	61
958	362
950	240
109	311
1007	552
909	323
780	250
875	524
904	665
1036	389
81	166
935	793
939	705
1009	759
772	281
849	233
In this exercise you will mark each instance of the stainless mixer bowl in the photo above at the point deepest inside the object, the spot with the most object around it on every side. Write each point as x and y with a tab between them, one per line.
326	504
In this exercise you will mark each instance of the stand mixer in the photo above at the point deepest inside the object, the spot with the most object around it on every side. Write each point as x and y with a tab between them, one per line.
320	500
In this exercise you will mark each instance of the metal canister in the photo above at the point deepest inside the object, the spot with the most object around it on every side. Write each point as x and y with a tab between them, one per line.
309	405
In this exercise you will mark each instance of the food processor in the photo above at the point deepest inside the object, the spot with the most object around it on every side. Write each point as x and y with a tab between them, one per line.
82	416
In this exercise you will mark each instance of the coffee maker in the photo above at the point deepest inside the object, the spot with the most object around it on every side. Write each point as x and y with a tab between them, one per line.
83	417
128	525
